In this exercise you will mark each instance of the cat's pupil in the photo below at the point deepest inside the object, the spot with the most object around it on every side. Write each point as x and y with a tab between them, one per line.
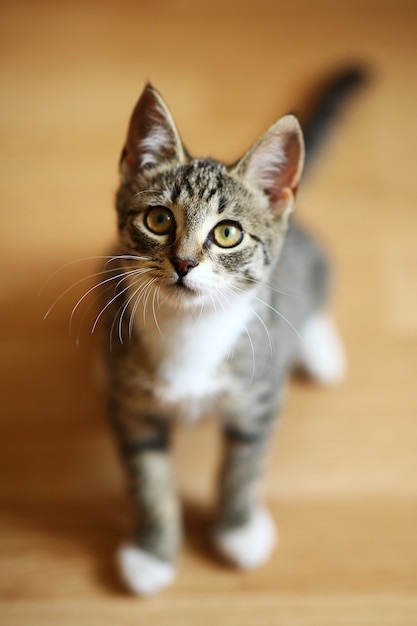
226	232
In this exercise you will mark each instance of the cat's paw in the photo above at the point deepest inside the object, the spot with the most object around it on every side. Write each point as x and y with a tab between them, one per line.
251	545
322	353
143	573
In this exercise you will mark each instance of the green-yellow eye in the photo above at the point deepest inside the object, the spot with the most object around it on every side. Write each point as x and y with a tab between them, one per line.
227	234
159	220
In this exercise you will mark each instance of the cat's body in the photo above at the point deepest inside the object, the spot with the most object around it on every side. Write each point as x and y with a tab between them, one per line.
216	300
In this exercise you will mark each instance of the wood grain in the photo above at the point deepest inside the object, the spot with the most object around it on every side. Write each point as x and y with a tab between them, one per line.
342	478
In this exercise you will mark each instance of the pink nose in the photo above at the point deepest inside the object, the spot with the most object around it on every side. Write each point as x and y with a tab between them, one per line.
183	266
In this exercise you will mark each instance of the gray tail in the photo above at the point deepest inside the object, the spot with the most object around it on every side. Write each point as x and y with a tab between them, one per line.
326	103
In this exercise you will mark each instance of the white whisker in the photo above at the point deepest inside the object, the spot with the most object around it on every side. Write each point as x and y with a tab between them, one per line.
139	292
146	191
269	306
282	317
89	258
78	282
128	257
146	298
218	298
253	358
198	317
96	298
122	311
158	301
135	307
94	326
128	274
96	286
261	284
268	334
155	292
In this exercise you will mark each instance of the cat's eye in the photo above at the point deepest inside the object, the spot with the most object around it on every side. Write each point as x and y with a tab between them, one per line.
227	234
159	220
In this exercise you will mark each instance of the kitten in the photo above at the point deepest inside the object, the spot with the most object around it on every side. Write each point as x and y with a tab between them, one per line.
218	297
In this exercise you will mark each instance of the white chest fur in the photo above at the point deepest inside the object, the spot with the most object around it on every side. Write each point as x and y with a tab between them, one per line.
187	347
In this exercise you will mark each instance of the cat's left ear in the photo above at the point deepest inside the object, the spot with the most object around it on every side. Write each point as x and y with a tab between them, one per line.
275	163
152	138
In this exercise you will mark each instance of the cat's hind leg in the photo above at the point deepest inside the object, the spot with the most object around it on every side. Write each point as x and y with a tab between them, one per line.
321	352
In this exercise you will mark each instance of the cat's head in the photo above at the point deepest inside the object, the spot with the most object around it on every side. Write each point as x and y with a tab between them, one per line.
199	228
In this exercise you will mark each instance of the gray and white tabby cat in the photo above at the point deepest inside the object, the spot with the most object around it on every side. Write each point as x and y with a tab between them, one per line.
218	298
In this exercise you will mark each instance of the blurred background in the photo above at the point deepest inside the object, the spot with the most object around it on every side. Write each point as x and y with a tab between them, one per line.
342	478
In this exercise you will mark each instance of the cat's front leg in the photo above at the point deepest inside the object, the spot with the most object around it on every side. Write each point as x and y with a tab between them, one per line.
245	533
147	564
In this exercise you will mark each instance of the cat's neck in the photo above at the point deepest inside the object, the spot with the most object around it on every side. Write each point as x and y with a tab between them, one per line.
216	323
187	347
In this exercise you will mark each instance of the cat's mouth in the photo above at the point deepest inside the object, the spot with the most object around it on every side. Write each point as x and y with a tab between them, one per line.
180	284
180	287
181	292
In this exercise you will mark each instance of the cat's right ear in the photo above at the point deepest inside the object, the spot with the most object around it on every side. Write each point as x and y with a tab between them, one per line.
152	138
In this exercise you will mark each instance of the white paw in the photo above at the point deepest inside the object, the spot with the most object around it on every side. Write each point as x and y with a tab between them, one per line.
143	573
251	545
322	353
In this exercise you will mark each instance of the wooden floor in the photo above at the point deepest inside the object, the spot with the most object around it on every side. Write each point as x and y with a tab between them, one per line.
342	480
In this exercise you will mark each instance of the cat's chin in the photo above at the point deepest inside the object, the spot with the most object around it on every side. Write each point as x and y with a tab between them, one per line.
182	296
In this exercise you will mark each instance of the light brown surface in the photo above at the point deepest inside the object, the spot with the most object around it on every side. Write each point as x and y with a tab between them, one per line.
342	480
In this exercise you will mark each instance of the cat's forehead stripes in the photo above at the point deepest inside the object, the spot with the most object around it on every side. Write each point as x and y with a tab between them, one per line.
222	204
175	193
202	179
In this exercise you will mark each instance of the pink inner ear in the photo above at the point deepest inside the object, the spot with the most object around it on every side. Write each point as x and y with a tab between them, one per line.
288	168
275	163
